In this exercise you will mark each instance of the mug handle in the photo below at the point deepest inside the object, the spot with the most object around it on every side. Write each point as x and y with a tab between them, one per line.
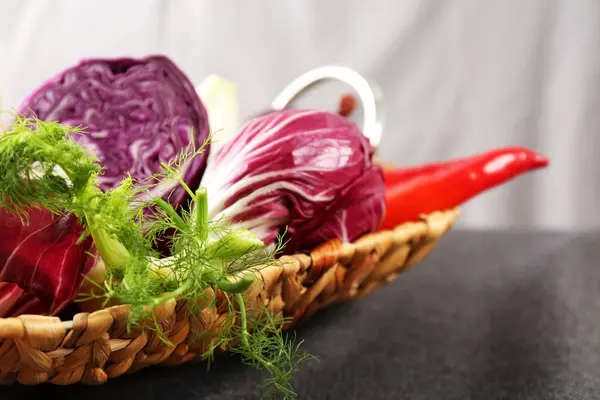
368	92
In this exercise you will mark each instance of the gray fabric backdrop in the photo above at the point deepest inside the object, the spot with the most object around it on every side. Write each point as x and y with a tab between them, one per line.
459	76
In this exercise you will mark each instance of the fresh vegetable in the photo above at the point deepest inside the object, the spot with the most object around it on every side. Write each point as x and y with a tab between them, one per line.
137	114
414	191
347	105
400	175
219	96
306	171
41	264
45	167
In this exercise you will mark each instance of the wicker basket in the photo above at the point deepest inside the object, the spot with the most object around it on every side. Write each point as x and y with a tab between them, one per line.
94	347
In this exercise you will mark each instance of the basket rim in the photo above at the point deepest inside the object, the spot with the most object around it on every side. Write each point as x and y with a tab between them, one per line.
436	223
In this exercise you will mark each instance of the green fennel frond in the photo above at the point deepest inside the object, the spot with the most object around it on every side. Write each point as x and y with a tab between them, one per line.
172	171
44	166
266	348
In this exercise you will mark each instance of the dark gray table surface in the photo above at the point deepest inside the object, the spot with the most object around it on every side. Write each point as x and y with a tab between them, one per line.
488	315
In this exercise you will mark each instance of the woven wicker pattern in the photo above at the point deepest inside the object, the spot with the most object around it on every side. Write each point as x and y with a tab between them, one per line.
94	347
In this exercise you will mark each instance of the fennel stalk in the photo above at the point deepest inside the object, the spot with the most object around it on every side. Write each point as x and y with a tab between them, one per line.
204	254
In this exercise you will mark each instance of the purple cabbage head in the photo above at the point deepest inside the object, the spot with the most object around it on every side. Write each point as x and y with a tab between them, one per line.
307	171
136	113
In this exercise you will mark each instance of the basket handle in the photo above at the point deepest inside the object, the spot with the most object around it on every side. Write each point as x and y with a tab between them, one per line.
368	92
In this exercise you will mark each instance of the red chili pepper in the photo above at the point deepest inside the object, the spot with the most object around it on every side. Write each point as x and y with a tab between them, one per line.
413	191
399	175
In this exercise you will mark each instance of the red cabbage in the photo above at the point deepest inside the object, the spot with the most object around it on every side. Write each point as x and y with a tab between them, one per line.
41	264
136	113
310	171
